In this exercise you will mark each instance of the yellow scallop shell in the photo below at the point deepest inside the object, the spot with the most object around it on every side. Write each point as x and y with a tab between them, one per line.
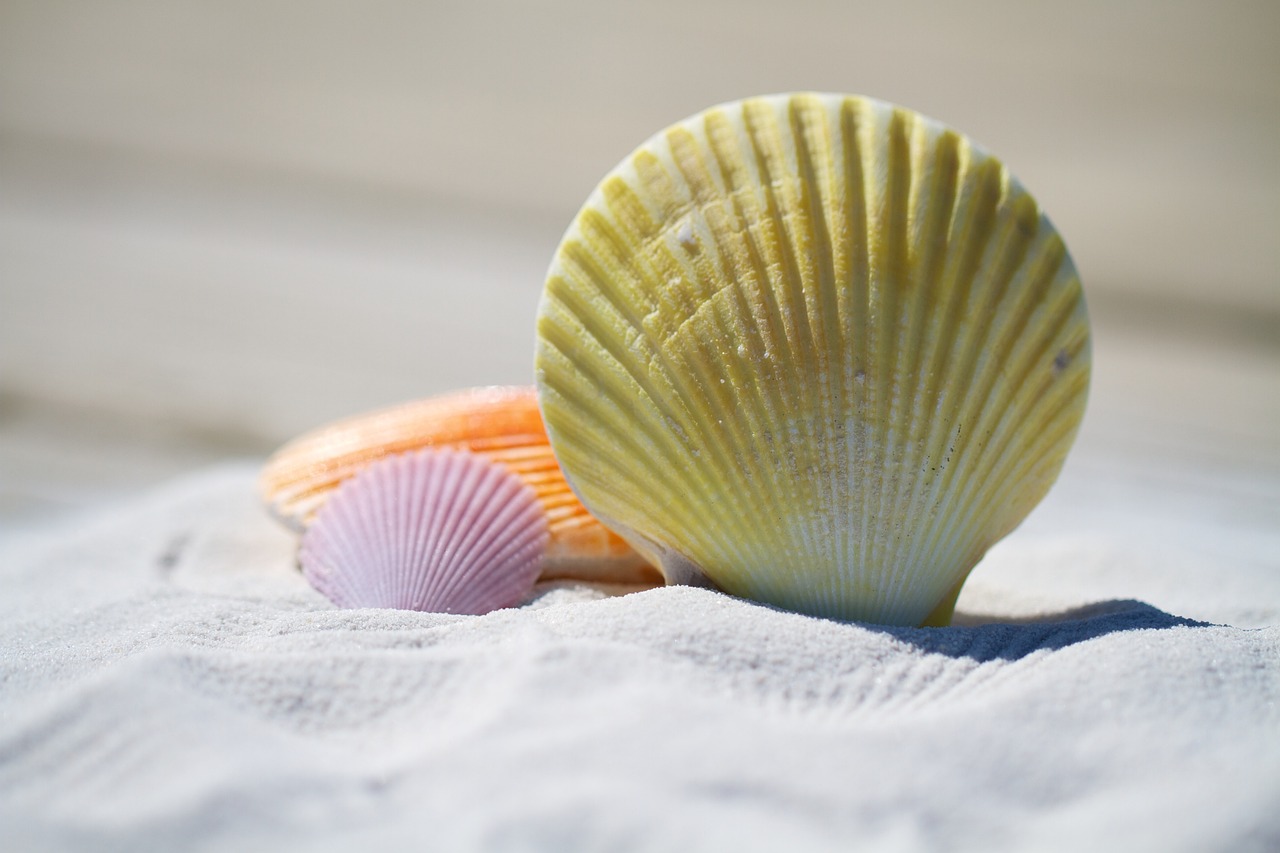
817	350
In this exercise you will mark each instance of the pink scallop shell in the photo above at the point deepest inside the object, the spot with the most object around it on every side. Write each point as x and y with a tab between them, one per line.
436	531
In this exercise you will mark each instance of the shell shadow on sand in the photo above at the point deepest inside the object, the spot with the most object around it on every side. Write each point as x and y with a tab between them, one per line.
986	638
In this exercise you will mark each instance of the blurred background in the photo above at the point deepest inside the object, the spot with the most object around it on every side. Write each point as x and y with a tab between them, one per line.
223	223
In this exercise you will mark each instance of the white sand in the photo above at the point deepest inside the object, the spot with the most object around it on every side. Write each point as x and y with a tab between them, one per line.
169	681
216	232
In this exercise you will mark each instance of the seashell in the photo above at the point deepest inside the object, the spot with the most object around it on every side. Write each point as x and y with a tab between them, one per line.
434	530
816	350
499	423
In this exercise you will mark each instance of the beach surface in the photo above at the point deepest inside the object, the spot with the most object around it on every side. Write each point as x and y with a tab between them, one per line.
224	224
1112	682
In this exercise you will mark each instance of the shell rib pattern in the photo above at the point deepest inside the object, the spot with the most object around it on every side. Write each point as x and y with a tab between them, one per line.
501	424
434	530
815	350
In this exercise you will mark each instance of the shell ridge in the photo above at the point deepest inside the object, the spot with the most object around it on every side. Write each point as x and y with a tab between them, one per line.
446	494
796	339
321	577
1009	324
1031	425
437	486
728	147
1029	289
869	120
748	274
771	165
397	497
1020	424
888	268
1059	431
623	352
353	510
463	492
739	179
564	335
522	453
333	583
507	510
372	512
952	464
962	243
524	539
459	486
590	269
703	388
1003	257
593	452
469	522
935	175
786	191
728	258
623	419
909	288
465	505
511	449
973	224
396	481
1054	314
495	586
720	259
525	520
858	249
412	503
413	495
436	478
678	413
809	116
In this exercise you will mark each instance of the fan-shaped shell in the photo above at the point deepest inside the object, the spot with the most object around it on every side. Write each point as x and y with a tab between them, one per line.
499	423
816	349
434	530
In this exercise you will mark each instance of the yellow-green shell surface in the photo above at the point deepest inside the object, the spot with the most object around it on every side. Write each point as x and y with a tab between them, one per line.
817	349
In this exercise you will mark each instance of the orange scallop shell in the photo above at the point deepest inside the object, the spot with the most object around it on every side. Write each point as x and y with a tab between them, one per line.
500	423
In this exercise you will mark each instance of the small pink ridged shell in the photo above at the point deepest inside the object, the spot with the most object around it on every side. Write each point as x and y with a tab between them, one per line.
435	530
